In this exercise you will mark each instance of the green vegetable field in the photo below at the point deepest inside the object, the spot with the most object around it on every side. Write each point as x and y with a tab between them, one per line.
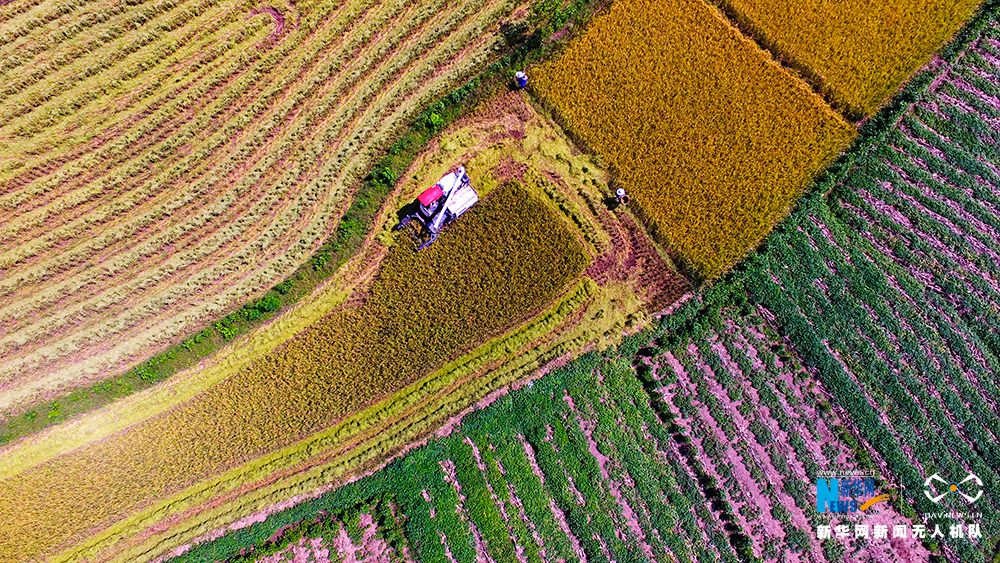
890	287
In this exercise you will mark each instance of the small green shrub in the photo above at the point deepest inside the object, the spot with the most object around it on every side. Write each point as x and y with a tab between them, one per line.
251	313
145	372
383	175
269	304
320	260
435	121
284	287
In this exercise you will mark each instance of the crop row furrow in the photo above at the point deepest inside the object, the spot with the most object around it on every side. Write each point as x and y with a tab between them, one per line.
982	100
780	426
938	328
182	290
971	71
23	51
32	61
956	126
905	391
488	517
55	113
226	139
928	272
559	513
115	144
15	10
755	459
178	287
956	188
699	488
791	442
525	546
977	68
530	535
906	258
862	401
20	19
124	56
934	268
924	232
571	479
150	153
447	531
632	525
810	270
903	193
466	513
527	485
950	165
975	106
909	338
964	167
714	479
623	421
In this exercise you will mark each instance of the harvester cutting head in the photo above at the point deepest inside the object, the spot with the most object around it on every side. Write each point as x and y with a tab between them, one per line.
438	206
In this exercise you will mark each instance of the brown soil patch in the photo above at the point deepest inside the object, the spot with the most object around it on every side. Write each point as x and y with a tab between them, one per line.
279	20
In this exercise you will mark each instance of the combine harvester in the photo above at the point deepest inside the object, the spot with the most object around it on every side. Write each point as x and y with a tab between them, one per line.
438	206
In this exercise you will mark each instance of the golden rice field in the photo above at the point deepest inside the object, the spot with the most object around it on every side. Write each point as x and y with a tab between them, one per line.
713	139
857	52
162	161
422	310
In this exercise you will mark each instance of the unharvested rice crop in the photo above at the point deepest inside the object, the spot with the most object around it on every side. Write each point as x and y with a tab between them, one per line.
509	140
498	264
162	161
713	139
857	52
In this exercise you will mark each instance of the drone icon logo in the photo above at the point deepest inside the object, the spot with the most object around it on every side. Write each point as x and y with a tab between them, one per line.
953	488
